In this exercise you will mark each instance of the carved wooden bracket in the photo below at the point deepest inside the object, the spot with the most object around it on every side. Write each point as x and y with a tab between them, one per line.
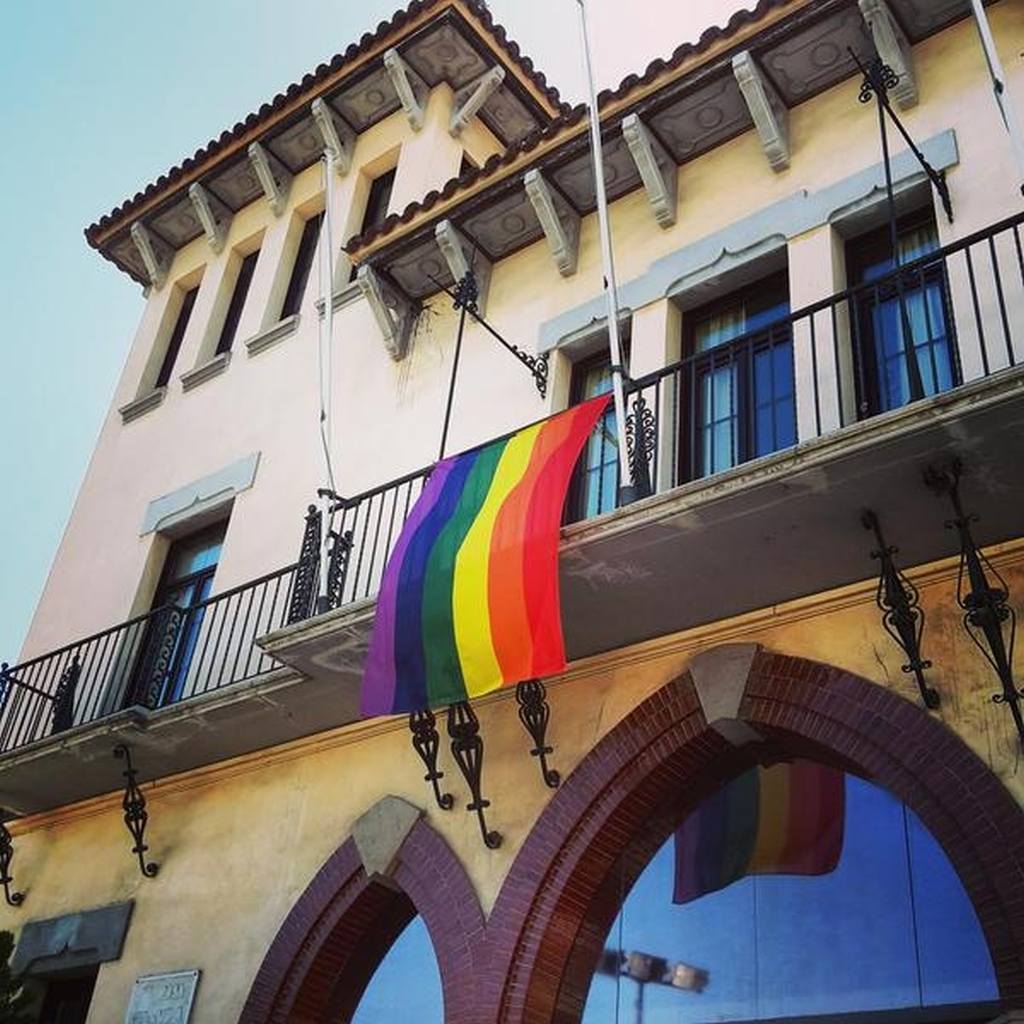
894	49
460	257
274	178
391	309
769	113
657	169
155	254
214	215
409	86
470	98
339	139
561	224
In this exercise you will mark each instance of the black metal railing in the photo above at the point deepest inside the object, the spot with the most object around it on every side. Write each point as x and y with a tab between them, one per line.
946	318
950	317
152	660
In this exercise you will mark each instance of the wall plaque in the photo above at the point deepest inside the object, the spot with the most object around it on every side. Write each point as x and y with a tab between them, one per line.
162	998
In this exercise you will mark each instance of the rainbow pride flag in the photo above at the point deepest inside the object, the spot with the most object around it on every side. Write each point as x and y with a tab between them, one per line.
469	600
783	820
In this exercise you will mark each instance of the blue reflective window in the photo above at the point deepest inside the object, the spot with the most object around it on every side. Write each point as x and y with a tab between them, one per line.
891	929
406	987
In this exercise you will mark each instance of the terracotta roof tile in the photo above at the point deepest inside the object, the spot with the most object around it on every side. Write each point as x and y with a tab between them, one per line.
569	117
310	82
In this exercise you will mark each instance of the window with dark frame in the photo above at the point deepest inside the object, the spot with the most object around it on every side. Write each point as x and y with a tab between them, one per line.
177	334
594	487
739	384
237	303
185	585
890	309
377	203
302	266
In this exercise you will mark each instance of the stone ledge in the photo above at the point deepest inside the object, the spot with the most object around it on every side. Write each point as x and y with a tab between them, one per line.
272	335
205	371
343	297
140	406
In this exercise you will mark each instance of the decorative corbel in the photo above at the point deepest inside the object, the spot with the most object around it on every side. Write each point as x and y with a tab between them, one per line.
657	169
392	310
274	178
470	98
407	84
894	49
561	223
155	254
338	138
212	213
769	113
461	258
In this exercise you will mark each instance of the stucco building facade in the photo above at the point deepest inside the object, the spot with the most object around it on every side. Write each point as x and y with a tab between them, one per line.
730	617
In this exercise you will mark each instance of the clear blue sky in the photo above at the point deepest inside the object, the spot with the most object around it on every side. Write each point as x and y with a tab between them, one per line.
99	98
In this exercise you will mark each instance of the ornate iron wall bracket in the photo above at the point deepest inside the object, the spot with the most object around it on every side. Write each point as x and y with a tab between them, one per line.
14	899
641	439
135	814
899	602
989	619
468	749
464	296
535	714
426	742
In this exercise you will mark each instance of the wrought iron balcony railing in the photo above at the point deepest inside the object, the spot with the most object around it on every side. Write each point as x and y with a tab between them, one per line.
823	368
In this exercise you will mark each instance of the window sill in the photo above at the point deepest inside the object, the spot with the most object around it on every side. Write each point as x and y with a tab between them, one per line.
272	335
343	297
140	406
205	371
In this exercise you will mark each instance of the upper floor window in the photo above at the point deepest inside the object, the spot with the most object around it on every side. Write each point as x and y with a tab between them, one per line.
902	331
237	303
378	200
171	640
740	389
302	266
177	334
595	485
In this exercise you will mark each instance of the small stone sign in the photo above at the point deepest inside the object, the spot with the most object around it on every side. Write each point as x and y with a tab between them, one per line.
162	998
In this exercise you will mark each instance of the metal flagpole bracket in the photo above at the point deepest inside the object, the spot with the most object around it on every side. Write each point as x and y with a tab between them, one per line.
426	742
468	749
135	814
988	617
464	297
879	80
535	714
14	899
899	602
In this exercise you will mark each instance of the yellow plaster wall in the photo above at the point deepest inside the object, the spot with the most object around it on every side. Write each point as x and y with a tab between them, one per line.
237	843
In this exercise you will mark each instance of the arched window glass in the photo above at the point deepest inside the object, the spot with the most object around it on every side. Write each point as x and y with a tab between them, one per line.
406	986
889	929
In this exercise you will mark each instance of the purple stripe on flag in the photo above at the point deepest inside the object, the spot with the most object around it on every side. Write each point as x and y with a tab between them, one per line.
378	691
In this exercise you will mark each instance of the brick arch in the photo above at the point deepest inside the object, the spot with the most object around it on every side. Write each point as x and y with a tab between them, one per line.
333	938
557	902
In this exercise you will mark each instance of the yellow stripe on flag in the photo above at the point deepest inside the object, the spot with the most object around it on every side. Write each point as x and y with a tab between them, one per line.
480	668
773	820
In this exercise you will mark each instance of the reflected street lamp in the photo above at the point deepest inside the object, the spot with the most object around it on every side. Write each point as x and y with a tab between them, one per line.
646	969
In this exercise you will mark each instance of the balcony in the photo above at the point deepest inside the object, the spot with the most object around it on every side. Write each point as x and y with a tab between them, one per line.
760	455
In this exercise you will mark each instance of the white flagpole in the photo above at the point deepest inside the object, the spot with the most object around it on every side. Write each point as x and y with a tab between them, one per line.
627	488
325	339
1004	100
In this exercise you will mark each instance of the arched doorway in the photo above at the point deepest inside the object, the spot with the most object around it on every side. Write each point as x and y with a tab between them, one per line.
622	802
389	900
